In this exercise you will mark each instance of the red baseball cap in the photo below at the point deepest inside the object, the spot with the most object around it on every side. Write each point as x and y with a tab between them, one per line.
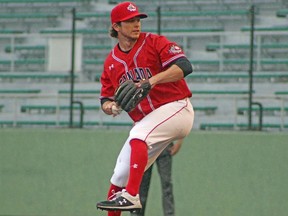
124	11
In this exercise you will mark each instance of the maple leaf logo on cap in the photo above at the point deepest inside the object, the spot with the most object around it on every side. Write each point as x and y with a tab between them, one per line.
124	11
131	7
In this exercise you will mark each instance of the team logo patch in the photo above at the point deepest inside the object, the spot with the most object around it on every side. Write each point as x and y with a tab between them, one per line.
131	7
175	49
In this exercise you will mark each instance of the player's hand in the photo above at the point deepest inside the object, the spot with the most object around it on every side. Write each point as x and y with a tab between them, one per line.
176	147
111	108
116	110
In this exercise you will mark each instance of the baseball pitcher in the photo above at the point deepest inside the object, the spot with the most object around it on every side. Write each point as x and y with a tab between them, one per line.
144	76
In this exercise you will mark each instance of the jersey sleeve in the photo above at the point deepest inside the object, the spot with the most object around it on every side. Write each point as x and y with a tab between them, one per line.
169	51
107	89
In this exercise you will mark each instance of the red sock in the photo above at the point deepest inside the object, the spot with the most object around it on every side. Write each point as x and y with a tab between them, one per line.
138	162
113	189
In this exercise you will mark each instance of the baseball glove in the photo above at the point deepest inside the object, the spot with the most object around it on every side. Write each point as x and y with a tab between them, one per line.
129	94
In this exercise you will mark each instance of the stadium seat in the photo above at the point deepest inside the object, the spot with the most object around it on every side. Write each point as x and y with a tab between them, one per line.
53	108
23	62
238	76
20	91
84	15
80	91
243	126
241	64
47	123
266	109
221	92
23	16
216	46
203	13
11	31
37	1
97	47
36	76
281	93
93	61
185	30
264	28
8	48
105	31
77	31
208	110
32	64
282	13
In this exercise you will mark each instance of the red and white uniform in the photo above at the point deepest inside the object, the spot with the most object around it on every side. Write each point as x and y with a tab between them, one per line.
150	55
166	114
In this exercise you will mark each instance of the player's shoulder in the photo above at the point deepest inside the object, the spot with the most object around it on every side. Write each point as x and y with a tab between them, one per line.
155	38
152	36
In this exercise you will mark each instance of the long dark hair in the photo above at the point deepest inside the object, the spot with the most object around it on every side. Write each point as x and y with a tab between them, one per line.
113	32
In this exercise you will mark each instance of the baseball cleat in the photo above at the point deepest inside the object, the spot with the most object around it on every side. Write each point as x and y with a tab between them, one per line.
122	201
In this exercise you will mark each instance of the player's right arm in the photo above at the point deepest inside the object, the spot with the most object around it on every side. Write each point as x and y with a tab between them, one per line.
106	106
107	90
107	93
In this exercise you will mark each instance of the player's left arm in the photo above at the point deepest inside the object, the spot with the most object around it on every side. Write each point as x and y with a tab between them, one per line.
178	70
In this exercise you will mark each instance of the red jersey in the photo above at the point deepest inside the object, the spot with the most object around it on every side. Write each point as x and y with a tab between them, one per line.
150	55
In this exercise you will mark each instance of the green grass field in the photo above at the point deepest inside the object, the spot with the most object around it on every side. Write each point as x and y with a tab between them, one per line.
66	171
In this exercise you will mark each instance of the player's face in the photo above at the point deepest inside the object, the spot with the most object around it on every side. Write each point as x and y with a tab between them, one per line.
131	28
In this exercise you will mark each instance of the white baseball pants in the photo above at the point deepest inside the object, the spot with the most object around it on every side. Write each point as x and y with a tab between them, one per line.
167	123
